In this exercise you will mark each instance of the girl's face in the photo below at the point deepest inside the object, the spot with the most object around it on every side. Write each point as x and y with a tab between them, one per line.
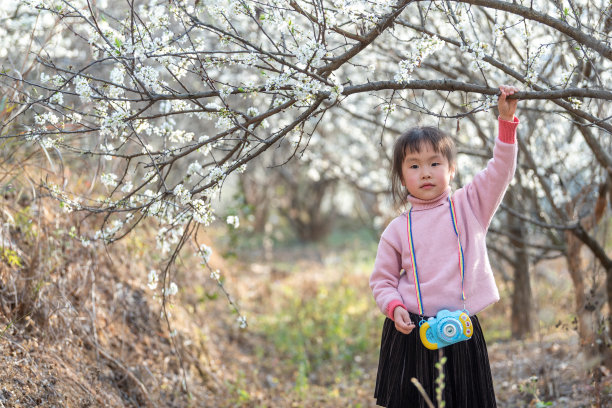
426	174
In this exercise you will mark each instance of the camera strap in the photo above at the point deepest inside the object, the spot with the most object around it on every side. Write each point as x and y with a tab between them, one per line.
417	286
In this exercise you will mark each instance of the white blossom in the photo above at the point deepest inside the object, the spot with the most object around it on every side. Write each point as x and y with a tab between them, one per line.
202	212
173	289
183	194
233	220
206	252
149	77
109	179
424	47
82	88
153	279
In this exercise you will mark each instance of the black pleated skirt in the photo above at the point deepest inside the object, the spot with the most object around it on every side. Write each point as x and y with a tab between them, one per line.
467	374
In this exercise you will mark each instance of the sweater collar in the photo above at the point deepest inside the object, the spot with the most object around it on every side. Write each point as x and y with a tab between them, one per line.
418	204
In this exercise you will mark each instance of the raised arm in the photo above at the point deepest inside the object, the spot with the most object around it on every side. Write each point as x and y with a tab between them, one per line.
486	191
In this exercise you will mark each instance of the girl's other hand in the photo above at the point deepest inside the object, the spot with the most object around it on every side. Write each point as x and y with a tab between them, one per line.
507	107
402	320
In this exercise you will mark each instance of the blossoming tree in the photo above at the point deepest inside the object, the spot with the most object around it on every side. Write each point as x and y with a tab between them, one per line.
166	99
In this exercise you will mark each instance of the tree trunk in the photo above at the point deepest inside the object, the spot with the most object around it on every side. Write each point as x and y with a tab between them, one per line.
589	302
257	193
522	319
588	305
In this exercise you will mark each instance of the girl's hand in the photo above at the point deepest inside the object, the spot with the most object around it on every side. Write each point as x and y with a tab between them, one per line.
507	107
402	320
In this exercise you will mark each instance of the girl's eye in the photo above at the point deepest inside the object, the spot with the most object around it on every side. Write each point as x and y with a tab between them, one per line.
435	164
414	166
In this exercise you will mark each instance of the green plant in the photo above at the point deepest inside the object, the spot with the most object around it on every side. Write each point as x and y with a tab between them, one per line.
11	258
440	380
529	387
238	390
439	384
323	333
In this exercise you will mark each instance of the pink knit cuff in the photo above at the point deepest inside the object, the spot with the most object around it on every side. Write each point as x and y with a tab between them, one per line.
392	306
507	130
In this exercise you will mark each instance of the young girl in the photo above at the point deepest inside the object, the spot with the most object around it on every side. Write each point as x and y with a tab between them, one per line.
434	257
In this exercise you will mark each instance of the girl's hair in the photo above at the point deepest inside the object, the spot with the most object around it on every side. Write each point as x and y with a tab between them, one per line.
412	141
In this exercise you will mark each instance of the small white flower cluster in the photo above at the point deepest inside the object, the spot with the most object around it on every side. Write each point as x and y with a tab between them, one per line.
109	233
216	275
66	203
57	98
336	89
113	124
533	68
206	253
565	77
576	103
225	91
242	322
194	168
153	279
425	47
202	212
305	88
47	142
157	16
171	291
489	100
82	88
47	117
224	122
363	12
498	30
107	148
181	136
127	186
477	50
389	108
149	78
150	176
215	175
311	53
182	193
109	179
117	74
55	80
525	33
233	220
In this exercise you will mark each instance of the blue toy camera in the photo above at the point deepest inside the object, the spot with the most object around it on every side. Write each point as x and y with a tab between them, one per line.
445	329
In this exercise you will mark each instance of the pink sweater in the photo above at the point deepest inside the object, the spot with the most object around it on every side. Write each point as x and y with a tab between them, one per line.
435	242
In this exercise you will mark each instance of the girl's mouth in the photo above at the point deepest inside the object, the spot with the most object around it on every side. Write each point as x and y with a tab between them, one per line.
427	186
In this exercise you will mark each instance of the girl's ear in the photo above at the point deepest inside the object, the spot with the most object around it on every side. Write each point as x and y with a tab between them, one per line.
452	173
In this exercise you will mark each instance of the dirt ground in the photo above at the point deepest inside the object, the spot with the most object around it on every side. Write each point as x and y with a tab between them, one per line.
128	361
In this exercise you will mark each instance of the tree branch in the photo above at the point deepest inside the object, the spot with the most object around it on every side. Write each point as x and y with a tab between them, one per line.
559	25
452	85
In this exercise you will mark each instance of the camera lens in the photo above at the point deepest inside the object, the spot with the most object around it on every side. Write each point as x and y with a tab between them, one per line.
449	329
